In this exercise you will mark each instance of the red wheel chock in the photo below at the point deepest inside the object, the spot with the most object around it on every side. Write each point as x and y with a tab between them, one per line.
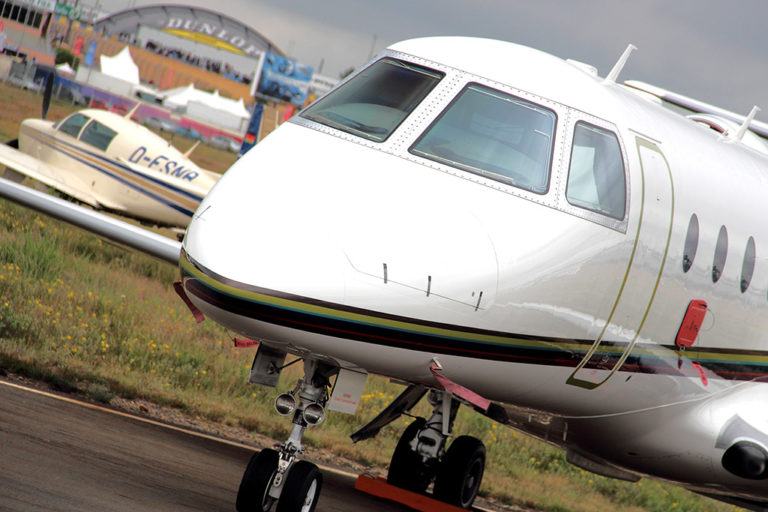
381	489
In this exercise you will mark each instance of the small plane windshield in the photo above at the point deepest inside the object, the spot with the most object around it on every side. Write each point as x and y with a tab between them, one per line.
98	135
494	134
374	103
73	124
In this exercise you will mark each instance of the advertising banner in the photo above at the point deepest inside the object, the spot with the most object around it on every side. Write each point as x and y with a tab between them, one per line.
285	79
77	49
254	127
91	53
67	11
48	5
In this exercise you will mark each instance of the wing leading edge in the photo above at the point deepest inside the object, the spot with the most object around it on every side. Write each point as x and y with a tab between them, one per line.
115	230
44	173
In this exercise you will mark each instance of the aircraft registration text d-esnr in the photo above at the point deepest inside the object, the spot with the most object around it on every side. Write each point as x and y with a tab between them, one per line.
501	228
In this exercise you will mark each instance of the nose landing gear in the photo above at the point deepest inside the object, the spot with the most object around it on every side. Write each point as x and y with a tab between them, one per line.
276	475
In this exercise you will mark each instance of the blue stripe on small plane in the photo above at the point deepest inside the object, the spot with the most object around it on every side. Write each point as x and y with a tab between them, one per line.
134	186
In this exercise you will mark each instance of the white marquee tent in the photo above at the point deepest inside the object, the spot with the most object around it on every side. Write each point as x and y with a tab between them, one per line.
121	66
206	106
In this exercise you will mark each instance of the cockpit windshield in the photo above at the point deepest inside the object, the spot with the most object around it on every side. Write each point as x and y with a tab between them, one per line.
494	134
374	103
73	124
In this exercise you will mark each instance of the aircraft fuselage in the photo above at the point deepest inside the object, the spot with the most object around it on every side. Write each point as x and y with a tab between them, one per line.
558	283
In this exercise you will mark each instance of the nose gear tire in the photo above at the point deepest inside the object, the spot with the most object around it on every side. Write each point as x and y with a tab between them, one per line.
252	496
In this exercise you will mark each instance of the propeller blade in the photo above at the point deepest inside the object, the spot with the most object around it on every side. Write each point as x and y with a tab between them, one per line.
48	92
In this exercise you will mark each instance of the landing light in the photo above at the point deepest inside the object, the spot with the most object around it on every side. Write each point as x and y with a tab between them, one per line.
285	404
314	414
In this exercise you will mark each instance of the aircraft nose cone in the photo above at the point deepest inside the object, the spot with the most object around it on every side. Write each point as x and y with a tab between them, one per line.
267	233
334	222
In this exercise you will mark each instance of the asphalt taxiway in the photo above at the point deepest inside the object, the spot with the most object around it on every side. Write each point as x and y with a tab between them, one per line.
58	454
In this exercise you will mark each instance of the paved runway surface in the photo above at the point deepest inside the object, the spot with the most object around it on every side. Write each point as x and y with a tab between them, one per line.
62	456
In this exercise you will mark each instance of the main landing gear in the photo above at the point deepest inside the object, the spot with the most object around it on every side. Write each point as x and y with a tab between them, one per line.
276	475
420	456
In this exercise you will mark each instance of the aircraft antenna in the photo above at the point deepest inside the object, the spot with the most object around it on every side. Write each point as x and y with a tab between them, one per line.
190	150
745	125
614	74
133	110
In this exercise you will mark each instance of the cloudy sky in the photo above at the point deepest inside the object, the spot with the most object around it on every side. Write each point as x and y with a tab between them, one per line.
713	50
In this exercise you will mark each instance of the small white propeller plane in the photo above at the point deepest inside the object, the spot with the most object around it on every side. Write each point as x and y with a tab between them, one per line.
500	228
110	162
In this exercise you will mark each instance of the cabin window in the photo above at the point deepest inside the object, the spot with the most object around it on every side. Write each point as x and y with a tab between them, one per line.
748	266
691	243
374	103
493	134
73	124
98	135
596	177
721	252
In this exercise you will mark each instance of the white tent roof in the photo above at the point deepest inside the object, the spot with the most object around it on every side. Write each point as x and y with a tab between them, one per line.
65	69
121	66
182	96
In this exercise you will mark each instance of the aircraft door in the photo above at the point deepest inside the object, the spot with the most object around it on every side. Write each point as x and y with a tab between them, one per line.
646	264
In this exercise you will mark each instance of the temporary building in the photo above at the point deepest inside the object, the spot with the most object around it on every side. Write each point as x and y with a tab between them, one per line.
121	66
65	69
208	107
118	75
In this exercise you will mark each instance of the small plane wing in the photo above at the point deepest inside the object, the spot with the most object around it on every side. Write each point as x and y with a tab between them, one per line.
44	173
102	225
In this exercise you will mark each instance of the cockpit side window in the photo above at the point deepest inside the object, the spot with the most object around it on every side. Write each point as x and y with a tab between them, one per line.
98	135
374	103
73	124
493	134
596	179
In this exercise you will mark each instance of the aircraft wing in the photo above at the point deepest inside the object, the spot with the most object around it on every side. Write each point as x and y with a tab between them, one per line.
102	225
44	173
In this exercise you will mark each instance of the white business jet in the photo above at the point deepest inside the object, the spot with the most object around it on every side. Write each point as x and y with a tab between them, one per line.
499	228
110	162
